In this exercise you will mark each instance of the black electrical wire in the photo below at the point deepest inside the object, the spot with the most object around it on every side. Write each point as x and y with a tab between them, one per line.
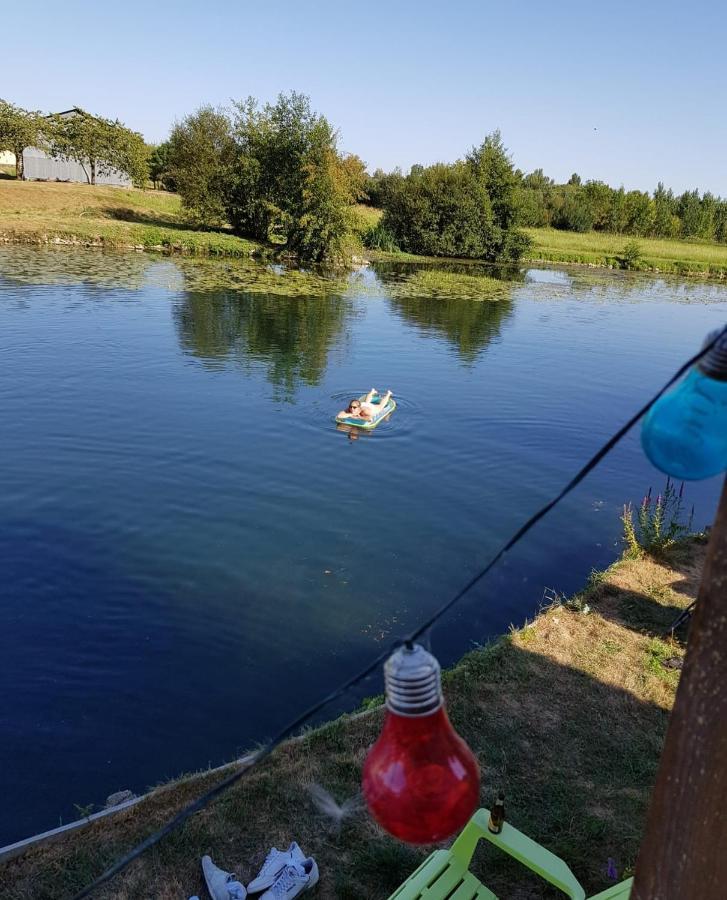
285	732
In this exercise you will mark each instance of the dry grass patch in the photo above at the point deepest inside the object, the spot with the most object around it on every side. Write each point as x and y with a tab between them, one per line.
103	216
567	715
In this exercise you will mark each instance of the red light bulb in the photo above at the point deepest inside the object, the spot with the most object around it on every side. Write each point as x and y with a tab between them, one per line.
420	780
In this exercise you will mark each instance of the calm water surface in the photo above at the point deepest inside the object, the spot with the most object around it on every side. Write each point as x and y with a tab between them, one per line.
190	552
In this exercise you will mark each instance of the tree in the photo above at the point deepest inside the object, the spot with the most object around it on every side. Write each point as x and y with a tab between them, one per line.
720	221
690	214
100	146
573	212
598	195
160	161
288	181
443	211
201	153
575	180
666	223
19	129
617	213
639	213
534	199
378	184
493	167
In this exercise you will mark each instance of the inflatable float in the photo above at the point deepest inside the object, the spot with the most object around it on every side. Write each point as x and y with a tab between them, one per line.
368	424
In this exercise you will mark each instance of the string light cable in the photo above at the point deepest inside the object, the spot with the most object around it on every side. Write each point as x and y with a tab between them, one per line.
293	726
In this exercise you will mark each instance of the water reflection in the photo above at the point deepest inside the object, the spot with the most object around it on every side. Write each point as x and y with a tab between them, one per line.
469	325
290	336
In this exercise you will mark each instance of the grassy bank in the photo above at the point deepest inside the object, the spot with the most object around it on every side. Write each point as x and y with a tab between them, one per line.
658	254
119	218
126	218
595	248
567	715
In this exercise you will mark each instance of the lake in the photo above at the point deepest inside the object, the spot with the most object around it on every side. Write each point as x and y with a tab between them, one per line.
191	552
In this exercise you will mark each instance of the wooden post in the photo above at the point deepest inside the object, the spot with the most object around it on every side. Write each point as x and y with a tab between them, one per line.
684	852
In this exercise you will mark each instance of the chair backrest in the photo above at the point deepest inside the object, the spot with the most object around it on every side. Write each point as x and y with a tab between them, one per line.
518	845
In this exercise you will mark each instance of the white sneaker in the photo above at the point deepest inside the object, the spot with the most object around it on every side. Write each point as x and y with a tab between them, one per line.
221	885
274	864
293	880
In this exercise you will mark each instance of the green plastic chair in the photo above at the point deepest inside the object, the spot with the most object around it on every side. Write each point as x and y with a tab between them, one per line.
445	874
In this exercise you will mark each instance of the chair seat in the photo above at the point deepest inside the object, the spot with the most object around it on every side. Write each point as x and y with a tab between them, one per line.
442	876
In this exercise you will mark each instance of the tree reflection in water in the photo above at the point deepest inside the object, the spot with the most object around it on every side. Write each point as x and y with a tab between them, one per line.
290	336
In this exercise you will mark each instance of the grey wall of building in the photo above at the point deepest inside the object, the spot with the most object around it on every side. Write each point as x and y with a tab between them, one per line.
38	166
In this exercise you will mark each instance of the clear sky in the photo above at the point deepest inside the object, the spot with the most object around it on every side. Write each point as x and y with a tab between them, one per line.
628	92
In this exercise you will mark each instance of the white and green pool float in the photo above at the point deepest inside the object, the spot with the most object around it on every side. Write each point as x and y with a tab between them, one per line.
368	424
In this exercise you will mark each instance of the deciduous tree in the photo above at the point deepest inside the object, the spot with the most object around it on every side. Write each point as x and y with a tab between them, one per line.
100	146
201	153
289	182
19	128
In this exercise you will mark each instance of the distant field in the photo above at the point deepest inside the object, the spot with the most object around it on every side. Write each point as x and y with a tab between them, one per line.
35	212
658	254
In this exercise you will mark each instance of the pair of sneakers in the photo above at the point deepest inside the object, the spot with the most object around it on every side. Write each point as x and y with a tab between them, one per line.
284	875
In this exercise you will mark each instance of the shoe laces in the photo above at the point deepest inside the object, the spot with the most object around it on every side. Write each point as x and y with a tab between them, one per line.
270	860
287	880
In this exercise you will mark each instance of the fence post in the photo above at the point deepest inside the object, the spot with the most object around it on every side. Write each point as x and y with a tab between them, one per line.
683	855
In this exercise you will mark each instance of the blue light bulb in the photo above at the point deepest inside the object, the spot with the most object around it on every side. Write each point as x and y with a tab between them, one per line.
685	432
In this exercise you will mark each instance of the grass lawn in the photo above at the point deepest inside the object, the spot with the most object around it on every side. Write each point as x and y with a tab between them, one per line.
658	254
124	218
595	248
567	715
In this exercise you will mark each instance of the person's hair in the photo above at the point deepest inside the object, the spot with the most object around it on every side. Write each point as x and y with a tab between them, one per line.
350	405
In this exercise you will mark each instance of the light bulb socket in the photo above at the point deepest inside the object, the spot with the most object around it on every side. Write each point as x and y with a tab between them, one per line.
714	363
413	680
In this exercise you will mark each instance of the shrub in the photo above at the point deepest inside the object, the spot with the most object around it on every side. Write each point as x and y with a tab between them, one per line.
378	237
659	523
631	256
444	210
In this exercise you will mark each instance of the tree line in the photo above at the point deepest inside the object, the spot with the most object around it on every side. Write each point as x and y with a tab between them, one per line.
98	145
576	206
275	173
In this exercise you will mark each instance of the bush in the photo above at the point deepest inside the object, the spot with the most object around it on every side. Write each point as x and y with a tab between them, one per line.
441	211
659	523
631	256
378	237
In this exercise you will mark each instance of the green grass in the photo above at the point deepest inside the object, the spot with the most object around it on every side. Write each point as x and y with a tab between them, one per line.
595	248
658	254
111	217
566	715
365	217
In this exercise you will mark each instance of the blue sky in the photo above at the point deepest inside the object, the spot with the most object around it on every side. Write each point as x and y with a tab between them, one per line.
626	92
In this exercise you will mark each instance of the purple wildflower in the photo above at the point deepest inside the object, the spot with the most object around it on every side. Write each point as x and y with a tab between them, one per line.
611	870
